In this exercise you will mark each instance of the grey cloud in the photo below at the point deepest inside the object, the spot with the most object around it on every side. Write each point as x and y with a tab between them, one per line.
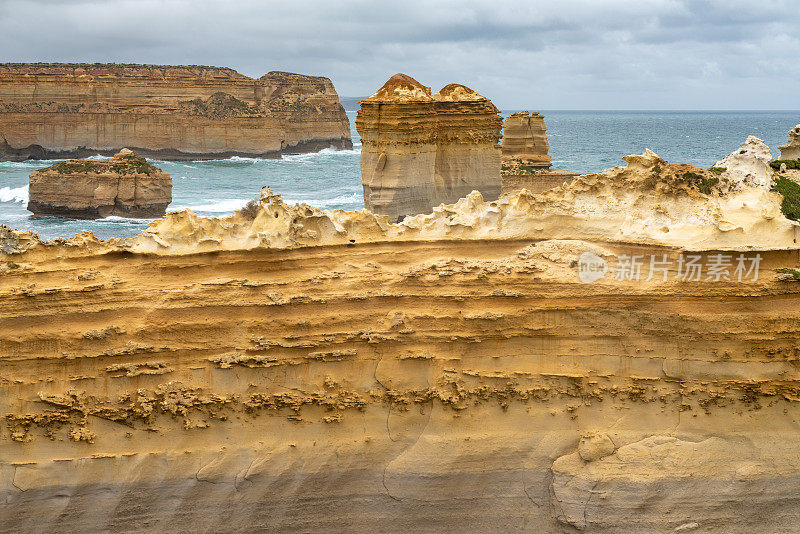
523	54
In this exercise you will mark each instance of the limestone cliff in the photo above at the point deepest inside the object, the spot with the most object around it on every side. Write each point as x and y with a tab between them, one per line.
791	150
420	150
124	186
525	139
169	112
297	369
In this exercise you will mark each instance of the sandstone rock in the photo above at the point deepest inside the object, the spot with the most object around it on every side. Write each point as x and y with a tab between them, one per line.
292	369
164	111
420	150
525	138
595	446
125	186
791	150
748	164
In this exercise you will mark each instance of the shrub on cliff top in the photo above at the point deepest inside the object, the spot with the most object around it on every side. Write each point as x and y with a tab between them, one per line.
790	164
790	190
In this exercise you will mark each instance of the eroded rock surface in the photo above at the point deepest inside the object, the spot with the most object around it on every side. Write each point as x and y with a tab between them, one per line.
297	369
420	150
51	111
748	164
124	186
525	139
791	150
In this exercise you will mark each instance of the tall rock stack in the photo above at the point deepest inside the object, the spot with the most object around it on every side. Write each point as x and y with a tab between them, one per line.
525	137
420	150
526	163
791	150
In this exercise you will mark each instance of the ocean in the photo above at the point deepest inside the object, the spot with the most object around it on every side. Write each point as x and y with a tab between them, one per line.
580	141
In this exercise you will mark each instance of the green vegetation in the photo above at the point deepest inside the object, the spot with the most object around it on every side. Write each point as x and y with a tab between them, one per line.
790	164
790	190
717	170
699	182
12	265
132	165
124	165
76	166
793	272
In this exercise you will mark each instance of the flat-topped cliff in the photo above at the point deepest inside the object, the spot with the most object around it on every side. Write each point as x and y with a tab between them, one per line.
169	112
422	149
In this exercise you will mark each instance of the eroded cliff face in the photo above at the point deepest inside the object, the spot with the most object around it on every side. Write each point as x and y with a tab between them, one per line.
525	139
791	150
421	150
169	112
317	370
124	186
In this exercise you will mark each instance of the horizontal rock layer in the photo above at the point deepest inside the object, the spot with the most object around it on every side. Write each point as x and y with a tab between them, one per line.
300	369
525	138
124	186
63	110
421	150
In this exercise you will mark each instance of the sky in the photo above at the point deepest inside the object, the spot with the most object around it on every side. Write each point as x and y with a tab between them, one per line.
570	54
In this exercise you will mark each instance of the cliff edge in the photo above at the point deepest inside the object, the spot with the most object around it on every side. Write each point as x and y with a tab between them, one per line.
50	111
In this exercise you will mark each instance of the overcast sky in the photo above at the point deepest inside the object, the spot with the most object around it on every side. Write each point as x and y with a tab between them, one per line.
575	54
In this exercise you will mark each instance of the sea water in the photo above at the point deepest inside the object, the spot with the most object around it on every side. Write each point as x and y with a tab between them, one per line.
580	141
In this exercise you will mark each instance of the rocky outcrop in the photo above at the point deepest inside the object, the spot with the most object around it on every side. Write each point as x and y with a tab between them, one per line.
420	150
525	139
124	186
791	150
526	163
749	164
297	369
168	112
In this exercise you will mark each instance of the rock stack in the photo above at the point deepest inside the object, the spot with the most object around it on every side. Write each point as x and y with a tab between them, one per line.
420	150
791	150
525	138
124	186
526	163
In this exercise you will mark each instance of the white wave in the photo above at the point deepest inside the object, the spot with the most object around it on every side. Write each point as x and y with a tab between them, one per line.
325	202
16	194
98	157
29	164
223	205
325	152
117	219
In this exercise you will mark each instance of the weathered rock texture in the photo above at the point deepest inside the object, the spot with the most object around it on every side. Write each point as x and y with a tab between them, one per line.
312	370
526	163
791	150
525	139
125	186
169	112
420	150
749	164
516	177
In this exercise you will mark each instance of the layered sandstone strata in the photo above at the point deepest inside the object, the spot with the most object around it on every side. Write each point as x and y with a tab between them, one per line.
297	369
420	150
124	186
791	150
526	162
169	112
525	139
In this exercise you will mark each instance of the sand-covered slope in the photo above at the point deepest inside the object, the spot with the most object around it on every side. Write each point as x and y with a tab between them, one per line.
307	370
